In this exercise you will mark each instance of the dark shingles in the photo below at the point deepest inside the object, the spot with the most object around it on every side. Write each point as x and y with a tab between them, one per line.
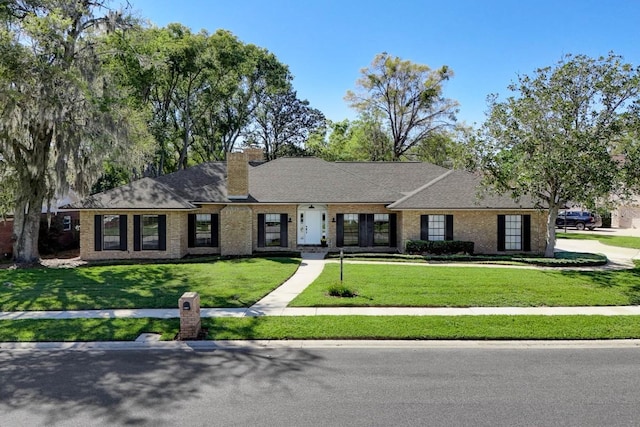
205	182
202	183
459	190
145	193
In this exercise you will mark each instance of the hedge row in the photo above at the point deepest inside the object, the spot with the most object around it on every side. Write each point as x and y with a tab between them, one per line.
439	247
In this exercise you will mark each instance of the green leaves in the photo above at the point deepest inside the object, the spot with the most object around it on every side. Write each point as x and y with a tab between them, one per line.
408	97
556	137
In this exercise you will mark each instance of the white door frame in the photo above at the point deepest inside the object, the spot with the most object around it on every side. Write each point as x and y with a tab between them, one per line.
311	233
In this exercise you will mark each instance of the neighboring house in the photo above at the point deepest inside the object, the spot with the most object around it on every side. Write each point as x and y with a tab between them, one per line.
58	232
627	215
244	206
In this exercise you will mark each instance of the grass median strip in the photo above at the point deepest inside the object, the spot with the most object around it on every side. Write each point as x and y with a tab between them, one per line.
224	283
445	286
335	327
620	241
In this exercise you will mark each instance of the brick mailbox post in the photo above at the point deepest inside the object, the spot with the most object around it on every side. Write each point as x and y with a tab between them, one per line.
189	305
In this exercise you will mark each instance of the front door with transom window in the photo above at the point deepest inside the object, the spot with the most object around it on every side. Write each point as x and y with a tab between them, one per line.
311	224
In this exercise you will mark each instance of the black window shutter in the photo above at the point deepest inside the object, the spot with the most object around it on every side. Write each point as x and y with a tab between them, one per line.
261	226
501	232
123	232
448	223
215	231
97	232
284	230
340	230
191	230
136	233
393	233
363	236
162	232
526	232
424	227
370	231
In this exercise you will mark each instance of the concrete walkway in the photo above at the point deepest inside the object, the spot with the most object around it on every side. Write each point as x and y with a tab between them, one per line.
275	303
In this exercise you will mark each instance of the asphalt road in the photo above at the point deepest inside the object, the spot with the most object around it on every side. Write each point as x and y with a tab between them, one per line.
328	387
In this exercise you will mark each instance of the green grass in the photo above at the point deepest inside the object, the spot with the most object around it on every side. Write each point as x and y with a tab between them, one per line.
334	327
48	330
425	327
561	259
621	241
225	283
445	286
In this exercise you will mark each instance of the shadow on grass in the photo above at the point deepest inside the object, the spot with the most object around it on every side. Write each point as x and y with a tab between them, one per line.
229	283
628	281
138	387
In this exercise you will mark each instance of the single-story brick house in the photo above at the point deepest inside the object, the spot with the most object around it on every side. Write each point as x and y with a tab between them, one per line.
245	206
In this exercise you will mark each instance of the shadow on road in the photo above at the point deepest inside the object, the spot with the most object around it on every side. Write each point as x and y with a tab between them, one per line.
129	388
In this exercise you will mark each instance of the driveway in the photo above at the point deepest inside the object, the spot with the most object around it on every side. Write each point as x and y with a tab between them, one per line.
618	257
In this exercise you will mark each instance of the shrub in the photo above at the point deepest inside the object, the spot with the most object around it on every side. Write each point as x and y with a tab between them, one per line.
439	247
341	291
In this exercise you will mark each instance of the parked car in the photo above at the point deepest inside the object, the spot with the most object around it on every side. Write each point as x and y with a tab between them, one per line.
578	219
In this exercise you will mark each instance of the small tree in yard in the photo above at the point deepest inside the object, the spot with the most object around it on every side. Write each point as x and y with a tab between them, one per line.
568	135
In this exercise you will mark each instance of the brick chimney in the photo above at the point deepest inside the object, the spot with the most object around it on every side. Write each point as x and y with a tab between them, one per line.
237	175
254	154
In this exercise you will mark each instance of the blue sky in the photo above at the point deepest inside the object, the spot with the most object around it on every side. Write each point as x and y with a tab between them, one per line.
487	43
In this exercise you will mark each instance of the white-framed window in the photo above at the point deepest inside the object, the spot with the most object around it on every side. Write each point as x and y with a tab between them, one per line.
381	229
513	232
111	232
66	223
150	232
351	230
272	229
437	227
203	230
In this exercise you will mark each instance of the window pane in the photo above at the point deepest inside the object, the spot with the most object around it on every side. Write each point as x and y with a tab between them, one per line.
111	232
150	240
66	223
436	227
513	232
272	229
381	229
203	230
351	230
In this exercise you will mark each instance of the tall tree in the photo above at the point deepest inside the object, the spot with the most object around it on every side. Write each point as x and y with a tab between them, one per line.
58	114
357	140
409	97
567	135
282	124
201	90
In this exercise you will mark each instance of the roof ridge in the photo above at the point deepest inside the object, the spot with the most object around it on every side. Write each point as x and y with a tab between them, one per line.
363	178
419	189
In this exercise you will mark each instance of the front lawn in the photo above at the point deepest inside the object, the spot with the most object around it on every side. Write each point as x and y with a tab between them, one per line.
446	286
621	241
225	283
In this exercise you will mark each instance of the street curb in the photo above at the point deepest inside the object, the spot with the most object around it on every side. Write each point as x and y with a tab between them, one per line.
241	345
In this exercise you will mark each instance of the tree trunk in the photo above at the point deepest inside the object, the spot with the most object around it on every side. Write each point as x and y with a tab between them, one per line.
551	231
26	228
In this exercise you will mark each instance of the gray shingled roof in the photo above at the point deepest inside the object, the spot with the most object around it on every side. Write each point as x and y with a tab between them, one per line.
311	180
458	190
202	183
403	185
145	193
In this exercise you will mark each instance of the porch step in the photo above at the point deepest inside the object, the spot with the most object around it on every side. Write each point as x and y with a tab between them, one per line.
313	249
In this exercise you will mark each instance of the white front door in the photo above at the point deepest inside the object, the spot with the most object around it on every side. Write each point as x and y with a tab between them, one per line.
310	226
